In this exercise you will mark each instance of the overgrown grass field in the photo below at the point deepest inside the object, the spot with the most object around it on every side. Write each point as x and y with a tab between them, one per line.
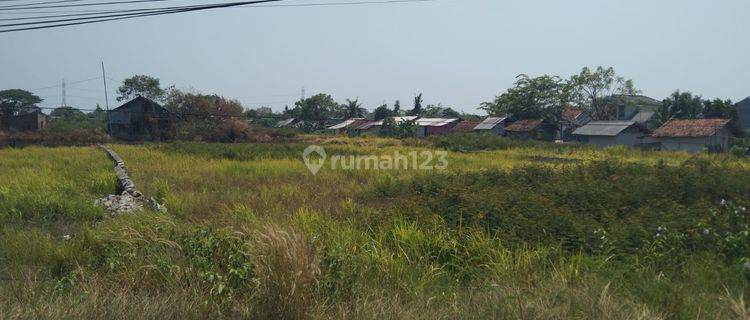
510	230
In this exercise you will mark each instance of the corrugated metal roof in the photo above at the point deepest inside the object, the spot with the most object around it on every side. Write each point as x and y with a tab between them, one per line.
345	124
643	116
397	120
490	123
435	122
603	128
284	123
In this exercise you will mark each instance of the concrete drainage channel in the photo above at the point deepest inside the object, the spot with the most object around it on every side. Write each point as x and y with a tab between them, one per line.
128	198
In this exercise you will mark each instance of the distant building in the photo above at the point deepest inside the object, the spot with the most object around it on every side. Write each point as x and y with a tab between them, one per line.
370	128
345	126
289	123
466	126
141	119
626	106
694	135
434	126
743	114
26	120
612	133
572	118
536	129
644	118
493	125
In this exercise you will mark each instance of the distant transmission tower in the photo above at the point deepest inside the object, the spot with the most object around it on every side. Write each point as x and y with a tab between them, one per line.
64	102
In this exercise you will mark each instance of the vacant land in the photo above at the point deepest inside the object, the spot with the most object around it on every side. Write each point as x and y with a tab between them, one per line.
510	230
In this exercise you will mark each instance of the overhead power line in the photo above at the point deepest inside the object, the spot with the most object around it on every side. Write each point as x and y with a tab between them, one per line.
78	17
103	18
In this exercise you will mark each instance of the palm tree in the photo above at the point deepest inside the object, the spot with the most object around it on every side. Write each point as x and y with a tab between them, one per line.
353	109
417	106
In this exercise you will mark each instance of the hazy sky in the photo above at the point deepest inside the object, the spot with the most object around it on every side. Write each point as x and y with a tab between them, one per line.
457	52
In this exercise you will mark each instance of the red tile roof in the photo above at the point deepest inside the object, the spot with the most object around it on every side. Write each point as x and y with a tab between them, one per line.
524	125
466	126
570	113
690	128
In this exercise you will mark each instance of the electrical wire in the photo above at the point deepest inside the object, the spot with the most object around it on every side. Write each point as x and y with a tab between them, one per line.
165	10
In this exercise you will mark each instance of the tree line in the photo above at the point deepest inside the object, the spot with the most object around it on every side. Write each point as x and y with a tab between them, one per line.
597	92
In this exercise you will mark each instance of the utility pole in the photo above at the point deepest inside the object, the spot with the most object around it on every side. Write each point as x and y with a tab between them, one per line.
106	98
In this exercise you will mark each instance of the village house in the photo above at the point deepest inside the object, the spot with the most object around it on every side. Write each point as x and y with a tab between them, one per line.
289	123
370	128
345	126
465	126
532	129
627	106
743	114
28	119
434	126
612	133
492	125
141	119
644	119
694	135
572	118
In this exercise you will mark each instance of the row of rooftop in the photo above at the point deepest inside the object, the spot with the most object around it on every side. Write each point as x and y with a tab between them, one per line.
633	129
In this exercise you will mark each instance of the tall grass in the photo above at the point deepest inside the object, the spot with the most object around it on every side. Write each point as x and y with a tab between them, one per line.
531	231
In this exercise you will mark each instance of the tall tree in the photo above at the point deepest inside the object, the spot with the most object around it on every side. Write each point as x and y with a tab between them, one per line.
382	112
13	100
718	108
316	109
591	90
438	111
353	109
531	98
397	108
684	105
417	110
141	86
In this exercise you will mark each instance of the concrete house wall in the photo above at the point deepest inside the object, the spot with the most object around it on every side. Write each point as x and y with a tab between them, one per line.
719	141
629	139
743	114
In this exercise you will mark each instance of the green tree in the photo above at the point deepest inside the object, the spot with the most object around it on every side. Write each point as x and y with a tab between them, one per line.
591	90
13	100
316	109
383	112
68	113
531	98
353	109
438	111
142	86
684	105
397	108
718	108
417	110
